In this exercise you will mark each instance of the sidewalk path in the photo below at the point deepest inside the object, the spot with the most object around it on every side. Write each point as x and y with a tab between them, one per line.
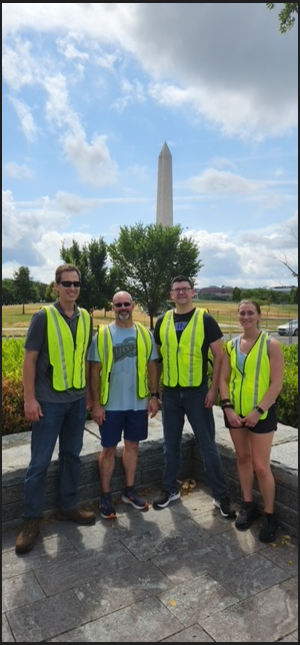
181	574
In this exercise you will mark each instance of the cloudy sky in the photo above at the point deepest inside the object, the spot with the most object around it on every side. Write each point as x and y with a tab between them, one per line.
90	93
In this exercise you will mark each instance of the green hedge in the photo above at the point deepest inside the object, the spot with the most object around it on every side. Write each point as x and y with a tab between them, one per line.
13	419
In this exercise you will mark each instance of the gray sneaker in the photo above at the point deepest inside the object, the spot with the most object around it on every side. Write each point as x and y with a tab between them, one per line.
225	507
130	496
164	499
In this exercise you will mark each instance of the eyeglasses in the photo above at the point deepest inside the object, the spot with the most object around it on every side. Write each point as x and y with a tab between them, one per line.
69	283
183	289
122	304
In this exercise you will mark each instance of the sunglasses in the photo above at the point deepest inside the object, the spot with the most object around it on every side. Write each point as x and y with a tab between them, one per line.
122	304
69	283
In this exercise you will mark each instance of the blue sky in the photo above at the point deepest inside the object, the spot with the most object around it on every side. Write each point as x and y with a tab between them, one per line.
90	93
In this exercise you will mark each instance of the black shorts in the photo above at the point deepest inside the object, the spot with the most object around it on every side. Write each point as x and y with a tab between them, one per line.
269	424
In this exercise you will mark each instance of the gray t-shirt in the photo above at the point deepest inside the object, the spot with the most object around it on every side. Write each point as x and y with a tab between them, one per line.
123	378
36	340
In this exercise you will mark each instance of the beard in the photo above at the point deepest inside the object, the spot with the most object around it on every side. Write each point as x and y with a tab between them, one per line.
123	315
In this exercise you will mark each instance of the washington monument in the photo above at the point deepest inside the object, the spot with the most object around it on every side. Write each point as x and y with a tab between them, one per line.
164	206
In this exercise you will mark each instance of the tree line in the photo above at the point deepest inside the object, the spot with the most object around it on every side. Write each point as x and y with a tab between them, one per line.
143	260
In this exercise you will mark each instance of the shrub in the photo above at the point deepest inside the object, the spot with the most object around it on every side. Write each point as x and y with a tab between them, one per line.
287	404
13	419
12	357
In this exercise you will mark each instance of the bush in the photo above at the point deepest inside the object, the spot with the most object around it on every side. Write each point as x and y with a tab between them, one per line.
12	357
287	404
14	421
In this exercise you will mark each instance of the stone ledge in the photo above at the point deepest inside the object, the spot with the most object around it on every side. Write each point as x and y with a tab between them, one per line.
16	454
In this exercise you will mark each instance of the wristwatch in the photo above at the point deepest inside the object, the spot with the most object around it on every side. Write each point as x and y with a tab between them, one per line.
259	409
156	394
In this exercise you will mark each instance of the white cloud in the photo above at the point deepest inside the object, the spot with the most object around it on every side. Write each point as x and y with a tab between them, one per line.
92	91
248	259
26	119
16	171
222	182
92	161
226	73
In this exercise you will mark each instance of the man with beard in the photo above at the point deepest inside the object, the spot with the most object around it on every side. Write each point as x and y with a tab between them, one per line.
124	389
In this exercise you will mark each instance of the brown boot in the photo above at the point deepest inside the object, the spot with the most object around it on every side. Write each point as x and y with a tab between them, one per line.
77	515
25	539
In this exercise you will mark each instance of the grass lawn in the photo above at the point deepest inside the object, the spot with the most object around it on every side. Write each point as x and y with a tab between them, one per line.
224	312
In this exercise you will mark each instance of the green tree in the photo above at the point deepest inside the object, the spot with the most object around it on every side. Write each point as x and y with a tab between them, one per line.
97	283
285	16
50	293
41	290
146	258
25	290
236	294
8	292
294	296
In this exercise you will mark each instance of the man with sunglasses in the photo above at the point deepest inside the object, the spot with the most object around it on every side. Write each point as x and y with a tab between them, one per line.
184	337
124	384
56	402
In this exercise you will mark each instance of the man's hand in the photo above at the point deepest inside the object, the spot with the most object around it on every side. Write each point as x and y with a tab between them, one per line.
33	410
153	406
98	414
211	398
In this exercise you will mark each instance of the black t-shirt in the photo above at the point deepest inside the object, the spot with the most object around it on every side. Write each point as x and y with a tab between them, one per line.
212	332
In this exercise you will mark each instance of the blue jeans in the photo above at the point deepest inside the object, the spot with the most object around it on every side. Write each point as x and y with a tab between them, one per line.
176	403
65	422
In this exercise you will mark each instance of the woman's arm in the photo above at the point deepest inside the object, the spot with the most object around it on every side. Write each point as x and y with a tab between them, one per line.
276	377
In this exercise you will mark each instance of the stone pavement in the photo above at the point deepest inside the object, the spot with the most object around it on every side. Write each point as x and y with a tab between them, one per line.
181	574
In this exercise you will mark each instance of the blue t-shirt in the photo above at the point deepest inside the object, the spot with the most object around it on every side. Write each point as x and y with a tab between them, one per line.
123	378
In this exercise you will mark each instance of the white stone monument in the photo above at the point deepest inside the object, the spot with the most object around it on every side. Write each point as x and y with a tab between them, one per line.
164	206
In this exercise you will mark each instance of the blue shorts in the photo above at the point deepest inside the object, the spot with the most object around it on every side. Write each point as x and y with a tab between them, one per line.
133	423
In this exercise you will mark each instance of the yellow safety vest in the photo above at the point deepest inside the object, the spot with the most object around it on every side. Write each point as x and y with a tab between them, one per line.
105	349
66	356
247	388
182	362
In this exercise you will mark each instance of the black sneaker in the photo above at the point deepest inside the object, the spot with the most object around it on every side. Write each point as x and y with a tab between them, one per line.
164	499
269	527
248	513
130	496
107	509
225	507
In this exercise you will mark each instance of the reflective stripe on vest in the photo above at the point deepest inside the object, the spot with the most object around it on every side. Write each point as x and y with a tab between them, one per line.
143	353
66	358
182	362
247	388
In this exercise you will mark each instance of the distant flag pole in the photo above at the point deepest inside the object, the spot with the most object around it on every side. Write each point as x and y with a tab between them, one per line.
164	205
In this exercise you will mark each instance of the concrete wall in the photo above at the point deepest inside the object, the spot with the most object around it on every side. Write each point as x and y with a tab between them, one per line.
16	453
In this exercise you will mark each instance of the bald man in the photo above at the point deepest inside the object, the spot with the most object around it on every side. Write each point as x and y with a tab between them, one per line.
124	389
